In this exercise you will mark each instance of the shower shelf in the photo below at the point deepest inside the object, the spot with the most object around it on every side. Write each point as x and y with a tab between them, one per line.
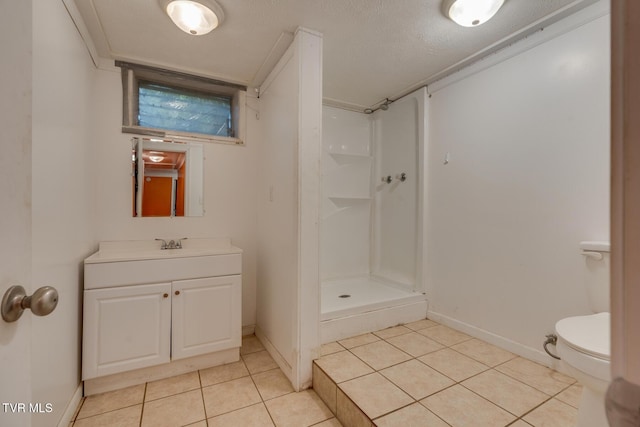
347	201
345	156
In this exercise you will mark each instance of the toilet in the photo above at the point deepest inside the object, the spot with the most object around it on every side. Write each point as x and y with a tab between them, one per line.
584	341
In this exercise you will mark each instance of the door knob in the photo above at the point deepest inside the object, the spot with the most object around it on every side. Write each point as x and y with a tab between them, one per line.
43	301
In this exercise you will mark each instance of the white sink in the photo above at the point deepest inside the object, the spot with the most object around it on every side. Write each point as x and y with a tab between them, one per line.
133	250
124	263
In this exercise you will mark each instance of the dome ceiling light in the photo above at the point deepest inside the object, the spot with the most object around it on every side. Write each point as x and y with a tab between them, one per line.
470	13
194	17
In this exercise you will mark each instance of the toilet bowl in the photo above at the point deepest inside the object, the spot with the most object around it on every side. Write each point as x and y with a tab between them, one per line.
584	341
583	345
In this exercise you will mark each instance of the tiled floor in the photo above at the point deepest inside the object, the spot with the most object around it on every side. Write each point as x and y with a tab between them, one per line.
426	374
422	374
251	392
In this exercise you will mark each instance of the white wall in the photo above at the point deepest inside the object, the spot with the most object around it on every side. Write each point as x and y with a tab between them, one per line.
229	187
527	180
288	202
346	194
398	214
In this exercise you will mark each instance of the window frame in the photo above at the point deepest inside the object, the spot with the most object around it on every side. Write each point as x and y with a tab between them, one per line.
132	74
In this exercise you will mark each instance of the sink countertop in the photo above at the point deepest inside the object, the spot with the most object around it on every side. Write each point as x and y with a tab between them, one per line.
133	250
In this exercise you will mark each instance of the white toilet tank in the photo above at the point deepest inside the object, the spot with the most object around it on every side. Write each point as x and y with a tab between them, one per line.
597	260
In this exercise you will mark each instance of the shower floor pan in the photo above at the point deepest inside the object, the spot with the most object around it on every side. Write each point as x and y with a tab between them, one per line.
363	304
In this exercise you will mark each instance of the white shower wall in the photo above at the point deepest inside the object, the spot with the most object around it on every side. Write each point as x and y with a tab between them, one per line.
396	203
371	232
346	201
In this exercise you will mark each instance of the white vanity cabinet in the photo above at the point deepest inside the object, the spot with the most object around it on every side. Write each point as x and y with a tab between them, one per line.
145	307
126	328
205	315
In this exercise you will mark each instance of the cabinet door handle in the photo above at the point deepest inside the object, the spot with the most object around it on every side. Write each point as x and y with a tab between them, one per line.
177	292
165	296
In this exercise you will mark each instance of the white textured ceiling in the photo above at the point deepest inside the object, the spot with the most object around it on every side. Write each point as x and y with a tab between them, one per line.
373	49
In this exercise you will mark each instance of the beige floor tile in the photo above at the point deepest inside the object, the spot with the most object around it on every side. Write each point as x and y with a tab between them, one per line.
416	379
349	414
421	324
251	416
504	391
222	373
171	386
535	375
333	422
251	344
553	414
230	396
259	362
415	344
444	335
330	348
272	384
358	340
453	364
198	424
414	415
105	402
375	395
343	366
380	354
324	387
392	332
174	411
483	352
127	417
463	408
571	395
520	423
298	409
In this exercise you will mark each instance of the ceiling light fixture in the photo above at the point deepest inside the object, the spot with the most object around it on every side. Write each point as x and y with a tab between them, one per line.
470	13
194	17
155	156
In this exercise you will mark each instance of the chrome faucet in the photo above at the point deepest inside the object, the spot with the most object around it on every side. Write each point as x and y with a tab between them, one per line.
172	244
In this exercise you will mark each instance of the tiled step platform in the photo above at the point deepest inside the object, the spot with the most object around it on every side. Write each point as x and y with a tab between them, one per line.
426	374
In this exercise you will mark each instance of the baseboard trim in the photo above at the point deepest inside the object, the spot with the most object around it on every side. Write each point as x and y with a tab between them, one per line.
527	352
248	330
72	408
159	372
275	354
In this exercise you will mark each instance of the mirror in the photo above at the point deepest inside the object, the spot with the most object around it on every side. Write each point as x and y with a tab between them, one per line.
167	178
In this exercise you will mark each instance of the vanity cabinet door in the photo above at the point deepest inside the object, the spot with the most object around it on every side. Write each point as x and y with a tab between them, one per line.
126	328
206	315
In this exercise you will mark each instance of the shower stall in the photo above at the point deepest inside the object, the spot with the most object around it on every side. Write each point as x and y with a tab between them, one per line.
372	233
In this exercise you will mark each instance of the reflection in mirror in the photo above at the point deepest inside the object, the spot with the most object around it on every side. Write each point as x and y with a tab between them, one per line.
167	178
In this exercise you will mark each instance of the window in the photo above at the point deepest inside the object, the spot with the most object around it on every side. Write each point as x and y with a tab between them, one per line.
165	103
